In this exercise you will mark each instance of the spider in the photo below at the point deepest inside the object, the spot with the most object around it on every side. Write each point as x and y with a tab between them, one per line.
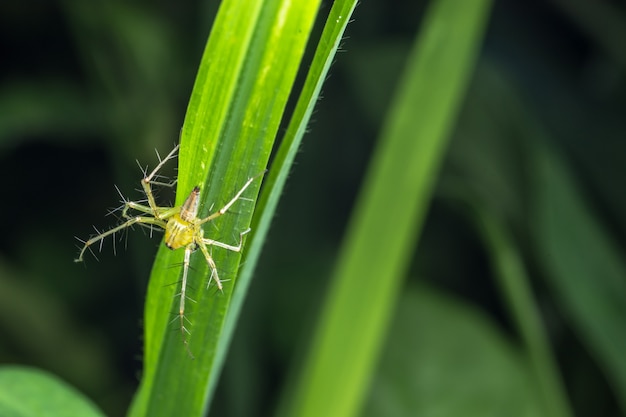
183	229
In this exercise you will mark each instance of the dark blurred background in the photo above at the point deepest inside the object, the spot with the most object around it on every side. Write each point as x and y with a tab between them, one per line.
87	88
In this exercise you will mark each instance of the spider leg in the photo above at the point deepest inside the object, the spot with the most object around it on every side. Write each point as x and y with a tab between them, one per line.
147	181
231	202
128	223
183	297
162	213
214	276
234	248
204	243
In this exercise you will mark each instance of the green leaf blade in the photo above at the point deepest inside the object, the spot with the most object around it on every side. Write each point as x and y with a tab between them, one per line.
243	84
389	213
26	392
426	370
330	39
583	265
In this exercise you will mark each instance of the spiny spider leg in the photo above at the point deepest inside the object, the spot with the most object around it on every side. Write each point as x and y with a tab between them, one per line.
146	181
164	212
160	214
128	223
232	201
234	248
203	243
181	310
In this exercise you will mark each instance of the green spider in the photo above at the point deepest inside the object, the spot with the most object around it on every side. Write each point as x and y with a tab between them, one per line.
183	229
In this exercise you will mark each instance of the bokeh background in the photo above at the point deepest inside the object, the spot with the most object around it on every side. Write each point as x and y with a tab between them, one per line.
88	88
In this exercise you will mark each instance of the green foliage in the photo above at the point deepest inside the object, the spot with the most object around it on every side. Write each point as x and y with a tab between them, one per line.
582	265
243	83
430	373
397	188
479	275
515	286
26	392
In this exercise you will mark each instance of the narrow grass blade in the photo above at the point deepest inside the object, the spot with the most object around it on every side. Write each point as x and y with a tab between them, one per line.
330	39
514	284
446	357
583	266
389	214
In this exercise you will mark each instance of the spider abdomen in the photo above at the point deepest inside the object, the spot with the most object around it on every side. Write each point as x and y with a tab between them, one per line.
178	232
180	229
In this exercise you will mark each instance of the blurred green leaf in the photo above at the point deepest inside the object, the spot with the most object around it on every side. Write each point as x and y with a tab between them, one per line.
27	392
445	358
485	176
45	328
603	22
128	55
389	214
515	286
41	109
110	86
582	264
